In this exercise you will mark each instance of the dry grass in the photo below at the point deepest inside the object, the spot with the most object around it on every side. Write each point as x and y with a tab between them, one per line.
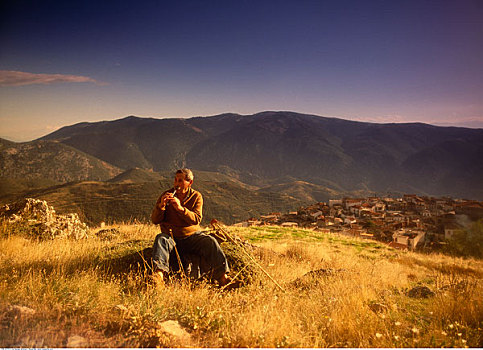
358	298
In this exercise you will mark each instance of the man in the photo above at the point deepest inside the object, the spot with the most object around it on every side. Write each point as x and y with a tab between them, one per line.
178	212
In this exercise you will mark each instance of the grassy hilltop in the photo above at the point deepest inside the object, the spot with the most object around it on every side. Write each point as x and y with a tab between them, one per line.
86	291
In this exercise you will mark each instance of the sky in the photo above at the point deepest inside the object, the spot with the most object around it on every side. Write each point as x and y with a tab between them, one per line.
64	62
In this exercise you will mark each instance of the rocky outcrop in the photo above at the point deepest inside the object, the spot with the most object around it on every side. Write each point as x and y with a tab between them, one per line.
179	336
108	233
420	292
35	218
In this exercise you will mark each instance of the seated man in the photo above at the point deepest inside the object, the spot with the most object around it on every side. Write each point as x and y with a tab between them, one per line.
178	211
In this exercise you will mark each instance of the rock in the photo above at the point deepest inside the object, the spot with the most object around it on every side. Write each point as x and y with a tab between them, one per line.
108	233
378	307
35	218
76	341
174	329
420	292
323	272
20	310
315	277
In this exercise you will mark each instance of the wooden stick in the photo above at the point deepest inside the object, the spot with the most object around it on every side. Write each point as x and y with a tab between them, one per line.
181	269
214	222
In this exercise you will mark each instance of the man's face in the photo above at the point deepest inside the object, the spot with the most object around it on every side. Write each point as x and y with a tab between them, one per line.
180	184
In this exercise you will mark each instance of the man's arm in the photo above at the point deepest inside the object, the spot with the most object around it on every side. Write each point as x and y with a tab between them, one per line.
157	215
194	215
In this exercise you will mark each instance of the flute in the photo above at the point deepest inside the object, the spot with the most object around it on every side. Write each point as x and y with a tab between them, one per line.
174	193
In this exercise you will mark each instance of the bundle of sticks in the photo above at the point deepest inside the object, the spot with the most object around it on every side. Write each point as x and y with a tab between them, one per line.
223	234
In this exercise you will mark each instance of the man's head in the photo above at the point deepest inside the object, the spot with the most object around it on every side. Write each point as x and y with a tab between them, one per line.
188	174
183	179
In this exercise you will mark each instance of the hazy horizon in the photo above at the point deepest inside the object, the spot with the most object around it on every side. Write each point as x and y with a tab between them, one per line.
474	125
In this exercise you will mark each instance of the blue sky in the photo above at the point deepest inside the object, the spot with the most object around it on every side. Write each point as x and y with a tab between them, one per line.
63	62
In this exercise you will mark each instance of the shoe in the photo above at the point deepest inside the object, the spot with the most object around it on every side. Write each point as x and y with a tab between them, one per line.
227	283
232	285
224	280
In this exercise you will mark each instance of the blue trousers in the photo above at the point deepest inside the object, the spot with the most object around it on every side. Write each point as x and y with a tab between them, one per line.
198	243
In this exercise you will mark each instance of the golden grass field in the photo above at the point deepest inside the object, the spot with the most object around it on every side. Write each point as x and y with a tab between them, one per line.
84	288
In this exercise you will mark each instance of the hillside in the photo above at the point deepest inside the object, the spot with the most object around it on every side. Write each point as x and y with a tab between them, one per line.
10	186
6	143
158	144
51	160
337	292
126	199
136	175
304	191
267	148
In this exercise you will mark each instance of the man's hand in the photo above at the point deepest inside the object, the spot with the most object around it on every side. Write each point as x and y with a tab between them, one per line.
175	202
165	200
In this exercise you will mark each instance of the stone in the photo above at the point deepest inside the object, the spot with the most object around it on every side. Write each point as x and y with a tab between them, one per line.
315	277
20	310
378	307
178	333
35	218
108	233
76	341
420	292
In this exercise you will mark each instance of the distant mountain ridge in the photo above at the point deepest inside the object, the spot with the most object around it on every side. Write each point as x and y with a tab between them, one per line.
267	148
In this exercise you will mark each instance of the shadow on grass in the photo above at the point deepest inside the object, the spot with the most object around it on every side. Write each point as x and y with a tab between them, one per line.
115	260
132	258
139	261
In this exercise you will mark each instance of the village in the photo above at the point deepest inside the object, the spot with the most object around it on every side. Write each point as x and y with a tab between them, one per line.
409	223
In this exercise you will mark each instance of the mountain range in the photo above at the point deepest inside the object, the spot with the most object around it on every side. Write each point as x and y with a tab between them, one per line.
303	157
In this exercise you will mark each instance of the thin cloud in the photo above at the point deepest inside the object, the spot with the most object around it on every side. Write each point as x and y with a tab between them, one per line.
468	122
16	78
381	119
